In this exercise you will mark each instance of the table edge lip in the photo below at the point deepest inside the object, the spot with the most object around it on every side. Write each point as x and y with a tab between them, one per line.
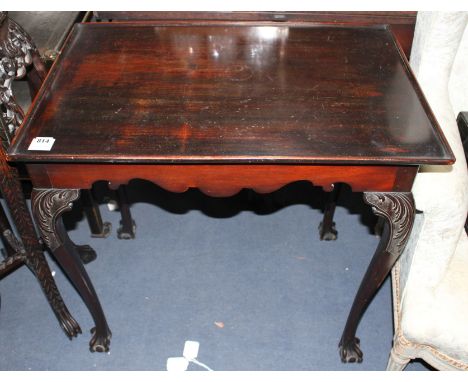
423	100
51	75
207	160
233	23
408	17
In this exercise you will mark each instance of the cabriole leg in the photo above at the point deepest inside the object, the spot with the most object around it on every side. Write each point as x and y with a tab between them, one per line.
397	210
48	206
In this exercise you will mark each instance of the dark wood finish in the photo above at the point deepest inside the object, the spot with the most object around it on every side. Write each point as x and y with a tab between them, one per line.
127	227
397	210
97	227
48	29
223	180
226	107
48	206
10	264
327	227
386	17
404	34
31	250
462	121
283	84
17	52
24	61
401	23
5	230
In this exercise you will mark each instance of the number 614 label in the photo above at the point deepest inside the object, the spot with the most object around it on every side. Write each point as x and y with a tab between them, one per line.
42	143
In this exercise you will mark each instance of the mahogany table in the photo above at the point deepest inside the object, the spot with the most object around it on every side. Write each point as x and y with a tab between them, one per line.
222	106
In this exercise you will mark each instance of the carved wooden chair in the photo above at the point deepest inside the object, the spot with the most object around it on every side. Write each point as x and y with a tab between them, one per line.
16	53
16	42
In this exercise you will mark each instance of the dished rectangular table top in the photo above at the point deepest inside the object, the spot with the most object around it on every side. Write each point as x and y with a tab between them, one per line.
232	93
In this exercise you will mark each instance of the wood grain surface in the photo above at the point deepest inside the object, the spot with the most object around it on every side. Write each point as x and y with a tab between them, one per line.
229	93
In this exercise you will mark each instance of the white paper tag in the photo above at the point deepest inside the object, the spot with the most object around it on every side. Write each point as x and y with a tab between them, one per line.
42	143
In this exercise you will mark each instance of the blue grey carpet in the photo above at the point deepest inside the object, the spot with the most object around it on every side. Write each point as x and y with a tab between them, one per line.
247	278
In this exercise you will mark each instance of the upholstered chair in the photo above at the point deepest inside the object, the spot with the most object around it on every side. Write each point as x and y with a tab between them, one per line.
430	281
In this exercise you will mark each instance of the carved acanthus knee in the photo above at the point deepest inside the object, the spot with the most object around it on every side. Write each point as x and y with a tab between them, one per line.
397	208
48	205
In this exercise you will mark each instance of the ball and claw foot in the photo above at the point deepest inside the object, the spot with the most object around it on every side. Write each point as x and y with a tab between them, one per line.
100	342
350	351
87	254
68	324
328	235
125	235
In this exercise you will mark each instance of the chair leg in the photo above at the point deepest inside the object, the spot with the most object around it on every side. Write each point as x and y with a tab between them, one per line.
11	263
13	252
127	224
5	227
12	191
397	362
327	228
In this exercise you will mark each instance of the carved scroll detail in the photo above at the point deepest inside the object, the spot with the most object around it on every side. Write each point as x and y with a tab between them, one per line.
16	53
398	209
48	205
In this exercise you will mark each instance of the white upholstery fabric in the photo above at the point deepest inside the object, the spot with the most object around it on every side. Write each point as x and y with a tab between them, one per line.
434	279
458	83
439	191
